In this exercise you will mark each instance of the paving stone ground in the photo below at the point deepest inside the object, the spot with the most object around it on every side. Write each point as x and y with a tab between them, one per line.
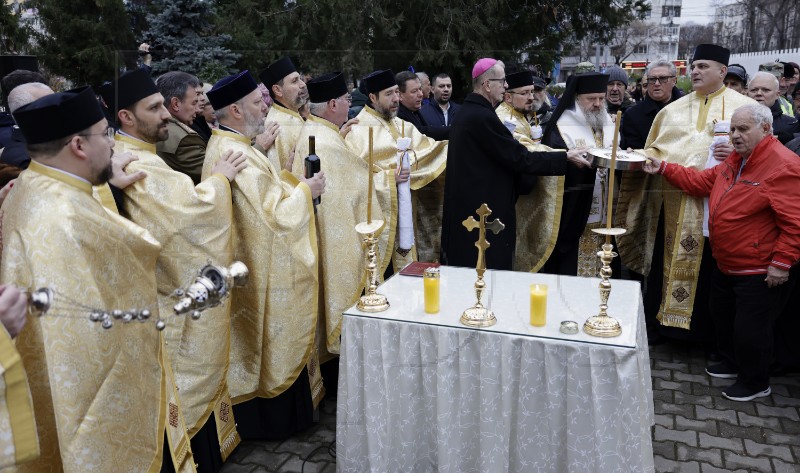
696	429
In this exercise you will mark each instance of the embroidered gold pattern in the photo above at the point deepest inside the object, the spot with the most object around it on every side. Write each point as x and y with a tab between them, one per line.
680	294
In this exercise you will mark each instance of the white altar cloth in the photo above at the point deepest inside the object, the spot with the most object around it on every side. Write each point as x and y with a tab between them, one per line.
423	393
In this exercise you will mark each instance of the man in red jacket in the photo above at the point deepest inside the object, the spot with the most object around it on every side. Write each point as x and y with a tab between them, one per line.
754	229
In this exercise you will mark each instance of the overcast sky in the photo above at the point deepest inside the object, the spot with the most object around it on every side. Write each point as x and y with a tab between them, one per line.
697	11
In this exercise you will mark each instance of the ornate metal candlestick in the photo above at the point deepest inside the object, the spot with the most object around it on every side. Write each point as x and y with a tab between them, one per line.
478	315
371	301
602	324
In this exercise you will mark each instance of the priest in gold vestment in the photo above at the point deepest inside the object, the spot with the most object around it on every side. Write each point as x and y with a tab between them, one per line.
273	319
19	442
289	94
539	211
682	133
342	253
413	158
193	223
105	399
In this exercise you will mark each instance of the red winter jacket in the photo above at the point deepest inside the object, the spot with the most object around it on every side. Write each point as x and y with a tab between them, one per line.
754	218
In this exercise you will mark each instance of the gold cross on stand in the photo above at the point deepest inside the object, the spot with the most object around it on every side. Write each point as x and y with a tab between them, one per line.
478	315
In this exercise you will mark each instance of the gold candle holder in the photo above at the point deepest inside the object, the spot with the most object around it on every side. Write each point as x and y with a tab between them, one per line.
371	301
602	324
478	315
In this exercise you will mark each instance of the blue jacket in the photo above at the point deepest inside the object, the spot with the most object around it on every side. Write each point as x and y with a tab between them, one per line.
434	116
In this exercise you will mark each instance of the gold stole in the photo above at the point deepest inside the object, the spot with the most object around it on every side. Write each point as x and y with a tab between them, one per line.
576	135
291	123
674	140
174	210
274	318
429	158
21	444
539	212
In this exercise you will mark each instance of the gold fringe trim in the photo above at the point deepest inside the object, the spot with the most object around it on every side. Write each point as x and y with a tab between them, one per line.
675	320
230	443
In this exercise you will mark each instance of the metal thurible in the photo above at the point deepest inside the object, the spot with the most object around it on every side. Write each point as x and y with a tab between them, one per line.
211	286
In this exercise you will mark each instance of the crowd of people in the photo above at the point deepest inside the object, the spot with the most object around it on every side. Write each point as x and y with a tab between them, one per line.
120	195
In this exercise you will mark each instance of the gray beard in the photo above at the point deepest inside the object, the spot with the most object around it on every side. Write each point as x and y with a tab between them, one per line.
596	119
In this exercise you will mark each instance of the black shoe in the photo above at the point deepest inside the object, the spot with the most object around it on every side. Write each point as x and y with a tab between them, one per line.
739	392
722	370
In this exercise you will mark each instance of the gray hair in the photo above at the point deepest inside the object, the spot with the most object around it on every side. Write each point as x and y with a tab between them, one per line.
222	113
767	75
318	108
21	95
661	63
422	75
759	113
476	82
175	84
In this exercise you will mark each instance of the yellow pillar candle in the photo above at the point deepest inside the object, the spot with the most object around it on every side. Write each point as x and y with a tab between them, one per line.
431	286
538	304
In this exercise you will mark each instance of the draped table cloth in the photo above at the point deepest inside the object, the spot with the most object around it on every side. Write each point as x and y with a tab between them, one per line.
423	393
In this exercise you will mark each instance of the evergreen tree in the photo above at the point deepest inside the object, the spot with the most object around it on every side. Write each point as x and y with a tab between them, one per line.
86	41
430	35
183	37
13	37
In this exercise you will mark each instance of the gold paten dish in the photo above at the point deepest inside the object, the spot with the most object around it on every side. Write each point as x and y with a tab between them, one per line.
626	160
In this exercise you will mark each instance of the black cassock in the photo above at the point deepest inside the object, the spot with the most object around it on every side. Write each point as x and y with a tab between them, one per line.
577	203
485	164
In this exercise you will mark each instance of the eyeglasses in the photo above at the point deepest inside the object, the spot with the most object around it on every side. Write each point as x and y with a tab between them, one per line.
501	79
347	97
109	133
661	80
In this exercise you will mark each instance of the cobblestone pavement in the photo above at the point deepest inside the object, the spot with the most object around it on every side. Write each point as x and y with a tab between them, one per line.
696	429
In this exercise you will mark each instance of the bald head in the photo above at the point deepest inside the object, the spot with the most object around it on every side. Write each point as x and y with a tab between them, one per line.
763	88
26	93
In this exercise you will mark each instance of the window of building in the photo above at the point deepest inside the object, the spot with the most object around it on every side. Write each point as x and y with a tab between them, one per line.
641	49
670	11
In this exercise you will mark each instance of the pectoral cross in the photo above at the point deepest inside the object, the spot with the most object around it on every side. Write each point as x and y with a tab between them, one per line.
495	226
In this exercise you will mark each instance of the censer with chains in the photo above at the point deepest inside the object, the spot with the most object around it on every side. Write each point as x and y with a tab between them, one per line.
210	288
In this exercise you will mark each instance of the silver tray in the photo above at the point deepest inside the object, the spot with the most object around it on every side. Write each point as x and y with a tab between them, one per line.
626	161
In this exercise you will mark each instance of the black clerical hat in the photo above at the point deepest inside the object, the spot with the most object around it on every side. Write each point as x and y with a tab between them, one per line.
128	89
519	79
326	87
379	80
712	52
59	115
586	83
591	83
277	71
231	89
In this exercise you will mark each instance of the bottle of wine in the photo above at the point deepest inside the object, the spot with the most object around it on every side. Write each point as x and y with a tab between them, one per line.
312	164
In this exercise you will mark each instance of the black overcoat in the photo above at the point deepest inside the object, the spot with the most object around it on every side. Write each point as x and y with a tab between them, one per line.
485	164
